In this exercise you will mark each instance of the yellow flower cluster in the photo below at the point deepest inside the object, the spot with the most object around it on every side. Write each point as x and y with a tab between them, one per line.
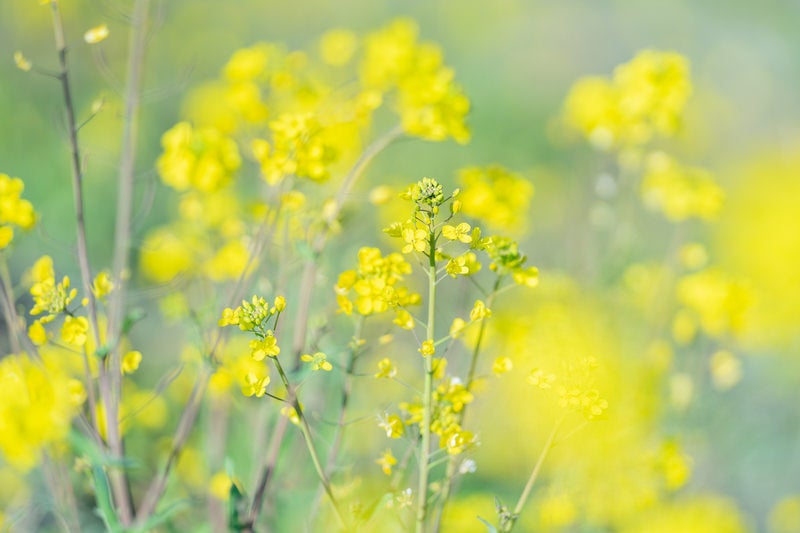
712	300
300	147
373	287
239	370
700	514
496	196
575	389
507	259
14	211
201	159
645	97
449	399
430	103
680	192
253	315
208	239
37	404
48	296
318	361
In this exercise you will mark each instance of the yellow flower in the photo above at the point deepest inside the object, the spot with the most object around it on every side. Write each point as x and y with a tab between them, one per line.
393	426
220	486
202	159
457	328
439	367
726	369
102	284
680	192
404	319
386	462
37	404
540	378
338	46
261	348
37	333
22	63
279	303
375	285
96	34
461	233
416	240
479	311
75	330
386	368
427	349
502	365
645	97
318	361
14	211
255	386
131	361
291	413
229	318
456	440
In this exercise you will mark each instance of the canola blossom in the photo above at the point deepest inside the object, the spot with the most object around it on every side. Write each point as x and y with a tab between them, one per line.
363	281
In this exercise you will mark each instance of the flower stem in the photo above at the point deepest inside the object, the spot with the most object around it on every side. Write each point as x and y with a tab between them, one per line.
425	429
312	450
318	243
450	473
347	389
118	477
526	492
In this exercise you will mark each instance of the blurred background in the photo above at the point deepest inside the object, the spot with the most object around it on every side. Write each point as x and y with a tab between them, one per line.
516	60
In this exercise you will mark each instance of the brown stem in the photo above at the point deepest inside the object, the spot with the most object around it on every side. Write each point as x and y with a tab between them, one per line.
159	483
10	315
268	470
118	480
122	234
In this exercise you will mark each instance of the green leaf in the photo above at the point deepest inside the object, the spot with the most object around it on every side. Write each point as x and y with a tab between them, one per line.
105	508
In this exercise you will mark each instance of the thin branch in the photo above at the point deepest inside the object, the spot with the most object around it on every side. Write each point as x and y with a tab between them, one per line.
318	244
189	414
118	477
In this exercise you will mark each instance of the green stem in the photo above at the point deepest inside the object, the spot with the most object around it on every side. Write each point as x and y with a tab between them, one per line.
451	465
526	492
312	450
425	429
347	389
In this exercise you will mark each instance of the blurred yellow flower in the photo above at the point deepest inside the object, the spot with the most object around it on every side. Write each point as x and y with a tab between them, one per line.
21	62
131	361
96	34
